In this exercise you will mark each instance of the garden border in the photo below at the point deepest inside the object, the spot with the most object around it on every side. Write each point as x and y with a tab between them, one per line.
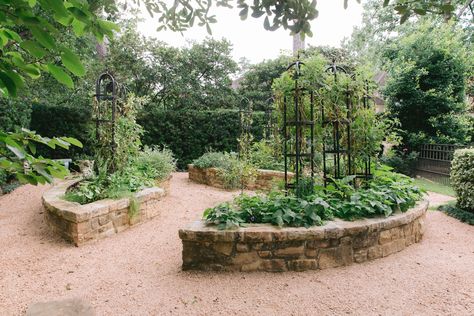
266	179
81	224
263	247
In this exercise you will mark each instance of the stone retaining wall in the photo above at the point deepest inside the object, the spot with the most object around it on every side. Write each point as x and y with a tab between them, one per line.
273	249
80	224
266	179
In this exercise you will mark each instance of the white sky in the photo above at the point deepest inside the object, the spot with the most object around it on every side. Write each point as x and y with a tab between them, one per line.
250	39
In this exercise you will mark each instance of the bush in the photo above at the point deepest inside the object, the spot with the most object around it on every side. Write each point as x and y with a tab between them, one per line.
262	156
462	178
401	162
232	171
189	134
156	164
213	159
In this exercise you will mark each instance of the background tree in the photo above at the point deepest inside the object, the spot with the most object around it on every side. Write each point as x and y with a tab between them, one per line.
426	89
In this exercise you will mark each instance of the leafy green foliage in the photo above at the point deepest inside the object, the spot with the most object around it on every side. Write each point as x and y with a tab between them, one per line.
427	84
132	170
197	77
266	154
276	209
386	193
50	120
233	171
401	161
18	156
462	178
189	134
453	211
14	114
181	15
156	164
28	40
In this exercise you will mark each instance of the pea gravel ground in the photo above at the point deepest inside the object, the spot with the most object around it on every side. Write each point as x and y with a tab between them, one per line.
138	271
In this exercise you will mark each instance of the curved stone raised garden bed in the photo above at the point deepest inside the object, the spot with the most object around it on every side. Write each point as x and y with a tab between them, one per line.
268	248
266	179
84	223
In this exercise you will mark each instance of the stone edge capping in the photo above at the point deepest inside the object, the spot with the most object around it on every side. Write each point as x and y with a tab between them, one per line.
269	248
71	220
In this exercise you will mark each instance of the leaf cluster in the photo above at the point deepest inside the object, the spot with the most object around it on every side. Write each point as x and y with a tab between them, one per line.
18	156
387	193
28	31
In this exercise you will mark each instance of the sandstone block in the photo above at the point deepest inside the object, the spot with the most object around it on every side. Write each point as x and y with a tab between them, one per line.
360	255
303	264
224	248
385	237
274	265
374	252
335	257
241	247
290	252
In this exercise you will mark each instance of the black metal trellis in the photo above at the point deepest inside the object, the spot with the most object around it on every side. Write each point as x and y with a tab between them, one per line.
367	163
106	98
245	117
338	123
269	122
336	149
295	123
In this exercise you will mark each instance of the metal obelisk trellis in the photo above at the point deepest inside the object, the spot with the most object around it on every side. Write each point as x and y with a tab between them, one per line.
367	163
269	122
337	124
106	98
295	124
245	115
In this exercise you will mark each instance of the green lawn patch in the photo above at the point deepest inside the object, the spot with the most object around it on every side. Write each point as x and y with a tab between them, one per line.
432	186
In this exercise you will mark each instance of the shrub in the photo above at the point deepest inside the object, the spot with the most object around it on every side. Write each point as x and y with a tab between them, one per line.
213	159
232	171
401	162
154	163
262	156
462	178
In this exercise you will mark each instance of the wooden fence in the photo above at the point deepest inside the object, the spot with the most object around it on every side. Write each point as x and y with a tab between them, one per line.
434	161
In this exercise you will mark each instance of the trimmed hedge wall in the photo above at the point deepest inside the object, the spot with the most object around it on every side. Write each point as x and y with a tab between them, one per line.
68	121
191	133
188	134
462	178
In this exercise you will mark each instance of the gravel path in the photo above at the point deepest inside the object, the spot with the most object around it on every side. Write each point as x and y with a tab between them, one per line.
138	271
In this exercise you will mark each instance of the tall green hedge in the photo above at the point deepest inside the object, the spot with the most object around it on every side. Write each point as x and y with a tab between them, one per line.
462	178
68	121
189	134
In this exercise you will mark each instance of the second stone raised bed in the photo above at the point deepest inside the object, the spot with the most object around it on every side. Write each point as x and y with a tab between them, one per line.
265	180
